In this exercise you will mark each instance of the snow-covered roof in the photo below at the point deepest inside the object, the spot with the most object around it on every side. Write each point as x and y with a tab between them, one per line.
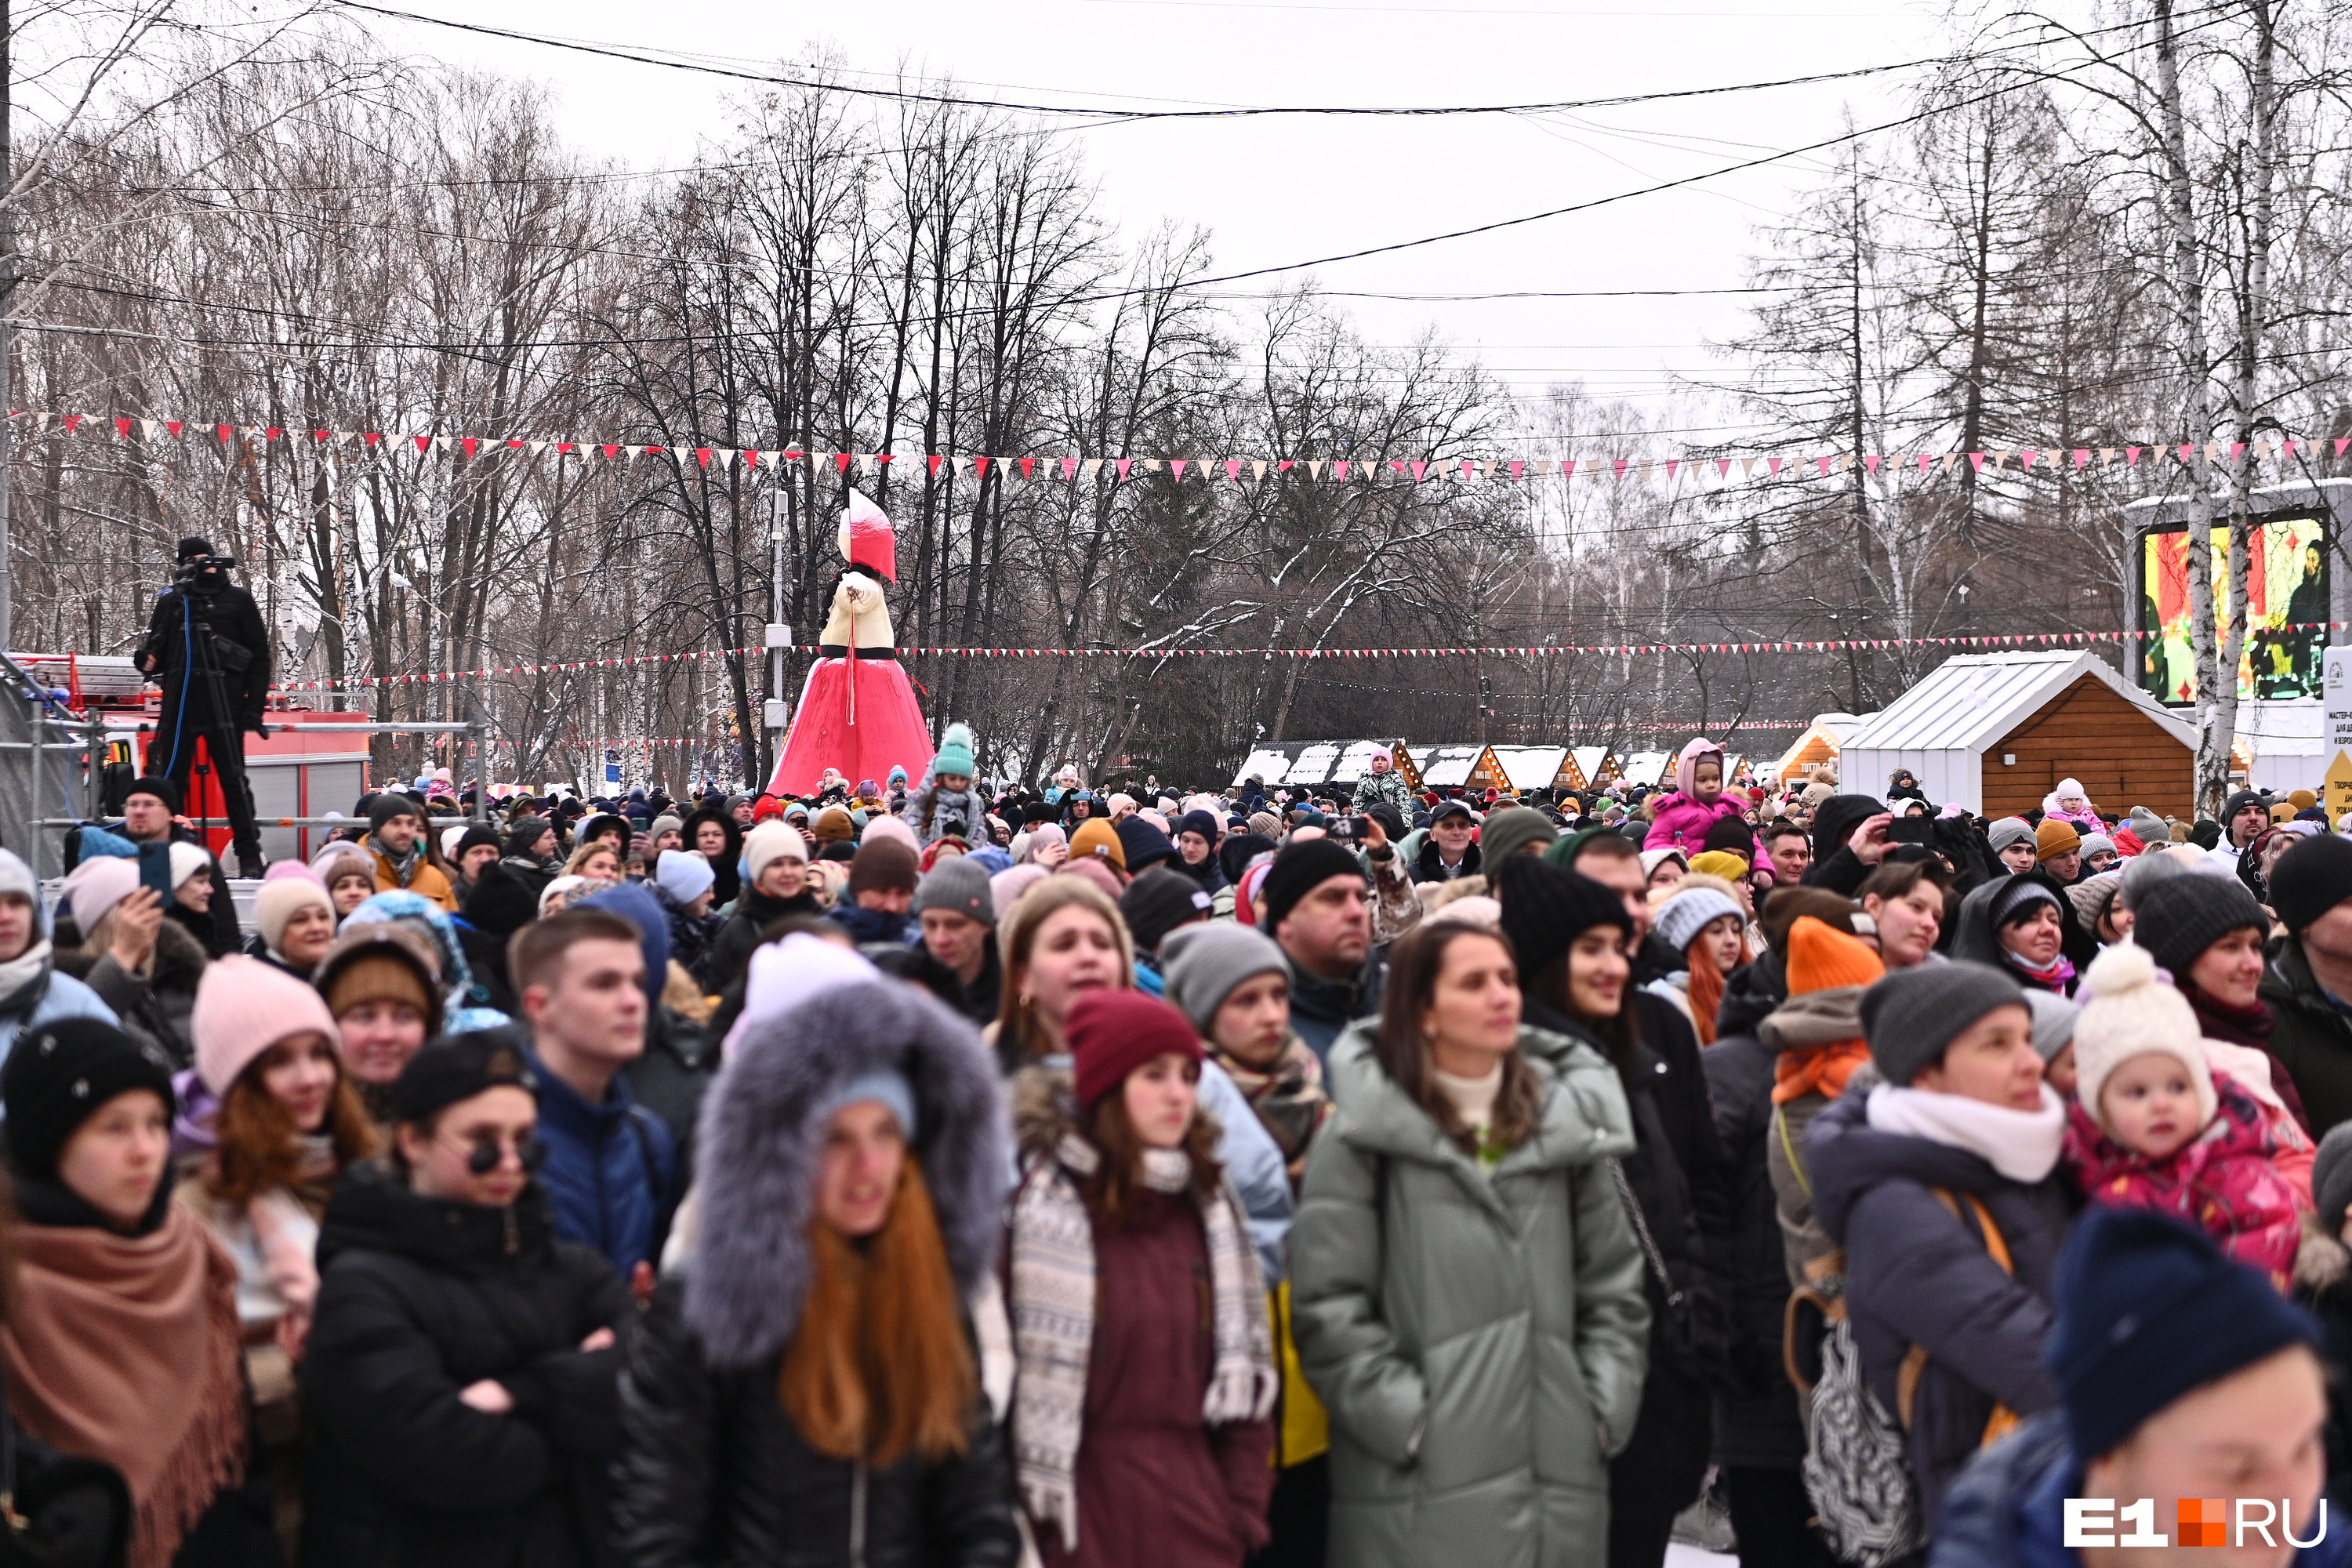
1648	767
1970	703
1530	767
1446	767
1591	762
1309	763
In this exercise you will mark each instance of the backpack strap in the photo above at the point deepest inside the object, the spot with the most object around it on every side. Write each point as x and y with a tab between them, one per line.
1788	1147
1914	1359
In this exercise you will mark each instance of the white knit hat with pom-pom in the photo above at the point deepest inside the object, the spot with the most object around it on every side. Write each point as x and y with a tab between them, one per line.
2130	1010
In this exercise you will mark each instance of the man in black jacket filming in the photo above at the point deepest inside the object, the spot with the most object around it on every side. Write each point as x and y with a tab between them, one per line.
207	647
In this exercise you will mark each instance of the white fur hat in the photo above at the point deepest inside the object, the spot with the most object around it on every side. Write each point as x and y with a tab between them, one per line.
2131	1012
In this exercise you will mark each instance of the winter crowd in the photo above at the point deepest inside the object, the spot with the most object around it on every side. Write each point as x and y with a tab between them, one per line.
933	1173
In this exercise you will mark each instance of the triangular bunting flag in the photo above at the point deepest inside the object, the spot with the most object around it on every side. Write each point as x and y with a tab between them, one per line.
1176	470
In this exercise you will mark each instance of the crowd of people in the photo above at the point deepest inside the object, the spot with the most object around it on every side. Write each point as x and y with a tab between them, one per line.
929	1172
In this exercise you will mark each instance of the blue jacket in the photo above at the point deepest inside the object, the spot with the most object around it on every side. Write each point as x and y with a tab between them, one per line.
1916	1274
45	1000
611	1169
2007	1510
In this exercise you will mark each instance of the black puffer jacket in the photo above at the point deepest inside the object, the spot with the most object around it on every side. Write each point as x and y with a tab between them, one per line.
738	1488
1756	1419
417	1300
740	937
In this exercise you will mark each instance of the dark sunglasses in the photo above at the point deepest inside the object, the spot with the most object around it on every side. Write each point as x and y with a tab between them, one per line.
489	1149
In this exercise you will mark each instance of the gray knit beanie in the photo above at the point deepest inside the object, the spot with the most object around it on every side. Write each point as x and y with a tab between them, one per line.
958	883
2331	1177
1912	1014
2142	872
2009	830
2179	919
1511	829
1201	964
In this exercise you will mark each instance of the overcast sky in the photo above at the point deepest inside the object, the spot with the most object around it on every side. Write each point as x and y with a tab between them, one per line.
1284	189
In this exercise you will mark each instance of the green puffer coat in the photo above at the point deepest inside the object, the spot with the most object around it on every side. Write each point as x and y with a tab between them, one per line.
1477	1335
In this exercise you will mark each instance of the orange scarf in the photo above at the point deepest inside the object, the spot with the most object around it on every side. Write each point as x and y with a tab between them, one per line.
1822	1069
125	1348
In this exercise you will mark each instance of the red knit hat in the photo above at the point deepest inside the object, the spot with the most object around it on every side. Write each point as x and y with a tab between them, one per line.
1112	1033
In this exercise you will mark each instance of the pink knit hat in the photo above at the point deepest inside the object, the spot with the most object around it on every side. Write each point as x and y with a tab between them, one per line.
243	1007
93	887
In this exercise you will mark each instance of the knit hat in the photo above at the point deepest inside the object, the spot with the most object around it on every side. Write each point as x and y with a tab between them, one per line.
683	875
2098	844
526	832
17	878
2145	871
1158	902
1682	917
2239	800
59	1073
887	866
93	887
1822	957
769	841
2310	880
1265	825
1203	964
381	961
2176	921
243	1007
667	822
2011	830
1112	1033
2053	1023
2093	898
388	806
1546	908
2055	838
2148	826
188	861
2331	1177
960	884
886	1085
459	1066
1912	1014
1512	829
1296	870
2147	1309
1200	822
163	790
2018	896
501	903
2133	1013
956	747
1142	844
1095	838
278	899
1005	887
833	825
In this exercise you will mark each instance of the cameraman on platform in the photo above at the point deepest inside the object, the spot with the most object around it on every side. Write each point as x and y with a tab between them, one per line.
208	650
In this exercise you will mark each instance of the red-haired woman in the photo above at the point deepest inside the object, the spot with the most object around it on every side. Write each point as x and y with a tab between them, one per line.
807	1388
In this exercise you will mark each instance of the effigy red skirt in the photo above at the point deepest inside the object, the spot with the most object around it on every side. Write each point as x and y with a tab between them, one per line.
862	730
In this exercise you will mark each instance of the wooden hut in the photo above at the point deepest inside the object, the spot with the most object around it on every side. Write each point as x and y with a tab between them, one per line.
1995	732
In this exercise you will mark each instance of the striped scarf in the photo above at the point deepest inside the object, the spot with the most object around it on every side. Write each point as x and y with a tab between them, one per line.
1053	1321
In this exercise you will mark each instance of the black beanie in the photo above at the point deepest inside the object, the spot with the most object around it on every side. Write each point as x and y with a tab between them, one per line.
389	804
58	1073
1733	834
2180	917
1298	870
526	832
1546	908
479	835
459	1066
1159	902
2310	880
192	546
1141	845
2147	1309
1914	1014
502	903
163	790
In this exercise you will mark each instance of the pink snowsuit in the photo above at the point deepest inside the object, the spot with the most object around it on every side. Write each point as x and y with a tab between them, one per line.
2223	1180
1682	822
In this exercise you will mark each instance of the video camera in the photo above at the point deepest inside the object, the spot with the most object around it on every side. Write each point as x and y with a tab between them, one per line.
195	566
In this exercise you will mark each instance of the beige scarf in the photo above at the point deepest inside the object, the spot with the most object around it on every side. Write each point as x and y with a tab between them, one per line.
125	1348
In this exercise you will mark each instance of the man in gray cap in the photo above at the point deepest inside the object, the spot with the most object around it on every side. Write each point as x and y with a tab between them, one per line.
2012	841
958	914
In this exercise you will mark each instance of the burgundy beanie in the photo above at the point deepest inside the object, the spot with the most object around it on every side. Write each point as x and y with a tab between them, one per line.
1112	1033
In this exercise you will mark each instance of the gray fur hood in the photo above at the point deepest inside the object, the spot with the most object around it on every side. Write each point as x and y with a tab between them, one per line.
760	1144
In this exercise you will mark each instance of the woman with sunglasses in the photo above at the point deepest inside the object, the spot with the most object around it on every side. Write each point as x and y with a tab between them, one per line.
463	1361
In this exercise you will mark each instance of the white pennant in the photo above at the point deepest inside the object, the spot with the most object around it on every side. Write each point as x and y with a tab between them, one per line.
1091	466
1315	467
1257	467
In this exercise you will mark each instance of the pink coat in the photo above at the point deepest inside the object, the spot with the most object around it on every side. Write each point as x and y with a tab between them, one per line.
1682	822
2224	1180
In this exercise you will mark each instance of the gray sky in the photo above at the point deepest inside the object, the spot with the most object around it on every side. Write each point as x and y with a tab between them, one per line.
1284	189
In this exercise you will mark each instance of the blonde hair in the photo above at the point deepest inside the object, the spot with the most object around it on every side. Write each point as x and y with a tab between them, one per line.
586	852
1016	937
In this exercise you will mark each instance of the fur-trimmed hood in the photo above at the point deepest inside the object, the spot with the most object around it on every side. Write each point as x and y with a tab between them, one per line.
759	1145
